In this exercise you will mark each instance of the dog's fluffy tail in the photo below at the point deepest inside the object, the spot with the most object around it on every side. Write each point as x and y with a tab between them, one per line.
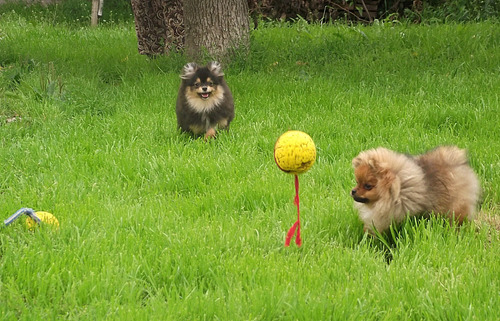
448	155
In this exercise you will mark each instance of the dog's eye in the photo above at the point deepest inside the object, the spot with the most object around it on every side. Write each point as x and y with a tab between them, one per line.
368	187
197	84
210	84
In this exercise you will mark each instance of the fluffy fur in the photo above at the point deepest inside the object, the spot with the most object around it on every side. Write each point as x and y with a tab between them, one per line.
204	102
391	186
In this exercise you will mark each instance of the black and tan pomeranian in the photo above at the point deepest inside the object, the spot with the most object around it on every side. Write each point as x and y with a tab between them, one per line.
391	186
204	103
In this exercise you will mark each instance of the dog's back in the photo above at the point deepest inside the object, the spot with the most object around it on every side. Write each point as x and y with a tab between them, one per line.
451	180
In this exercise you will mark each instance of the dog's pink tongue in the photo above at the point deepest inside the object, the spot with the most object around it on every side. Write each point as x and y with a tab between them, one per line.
204	95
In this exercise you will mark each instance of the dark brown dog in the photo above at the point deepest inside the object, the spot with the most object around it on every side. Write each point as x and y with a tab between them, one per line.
204	103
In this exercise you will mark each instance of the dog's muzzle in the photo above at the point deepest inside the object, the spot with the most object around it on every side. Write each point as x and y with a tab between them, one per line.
357	198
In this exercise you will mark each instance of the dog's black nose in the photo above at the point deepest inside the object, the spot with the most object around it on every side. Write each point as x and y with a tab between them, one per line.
204	88
353	192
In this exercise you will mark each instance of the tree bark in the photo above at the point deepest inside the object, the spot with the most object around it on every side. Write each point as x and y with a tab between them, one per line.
215	27
159	26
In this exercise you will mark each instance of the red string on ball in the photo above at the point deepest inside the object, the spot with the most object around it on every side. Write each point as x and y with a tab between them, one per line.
296	225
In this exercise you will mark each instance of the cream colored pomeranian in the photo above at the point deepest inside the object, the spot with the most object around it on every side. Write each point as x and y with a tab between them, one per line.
391	186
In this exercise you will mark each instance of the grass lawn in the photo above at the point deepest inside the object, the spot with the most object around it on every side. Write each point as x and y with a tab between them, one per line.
156	225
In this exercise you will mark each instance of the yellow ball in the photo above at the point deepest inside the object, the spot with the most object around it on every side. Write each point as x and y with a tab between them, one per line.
295	152
46	217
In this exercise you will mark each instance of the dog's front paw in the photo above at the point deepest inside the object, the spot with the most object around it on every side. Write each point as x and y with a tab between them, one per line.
210	133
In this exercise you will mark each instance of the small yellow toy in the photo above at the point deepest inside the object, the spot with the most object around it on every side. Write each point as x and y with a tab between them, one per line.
295	152
45	217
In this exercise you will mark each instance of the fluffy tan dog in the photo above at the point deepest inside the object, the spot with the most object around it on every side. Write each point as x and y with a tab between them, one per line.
391	186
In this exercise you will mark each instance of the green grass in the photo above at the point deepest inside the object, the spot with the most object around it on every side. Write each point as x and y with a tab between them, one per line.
156	225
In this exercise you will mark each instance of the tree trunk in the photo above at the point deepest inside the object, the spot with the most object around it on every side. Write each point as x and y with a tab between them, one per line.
159	26
215	27
94	15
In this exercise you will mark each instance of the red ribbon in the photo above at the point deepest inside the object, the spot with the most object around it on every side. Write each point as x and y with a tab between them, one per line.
296	225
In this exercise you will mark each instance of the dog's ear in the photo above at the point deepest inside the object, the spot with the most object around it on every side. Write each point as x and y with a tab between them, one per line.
374	165
356	162
189	70
215	68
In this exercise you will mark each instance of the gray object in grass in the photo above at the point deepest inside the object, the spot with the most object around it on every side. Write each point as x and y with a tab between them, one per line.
28	211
